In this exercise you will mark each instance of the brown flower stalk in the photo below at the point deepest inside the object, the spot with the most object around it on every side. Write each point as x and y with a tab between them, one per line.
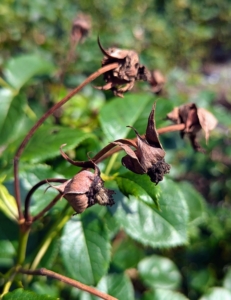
67	280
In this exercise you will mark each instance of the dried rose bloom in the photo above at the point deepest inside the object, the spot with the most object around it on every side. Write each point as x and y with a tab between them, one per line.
148	158
122	78
156	81
80	28
194	119
85	188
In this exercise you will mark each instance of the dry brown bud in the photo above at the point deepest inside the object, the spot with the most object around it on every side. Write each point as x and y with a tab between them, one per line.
148	158
122	78
194	119
157	81
80	28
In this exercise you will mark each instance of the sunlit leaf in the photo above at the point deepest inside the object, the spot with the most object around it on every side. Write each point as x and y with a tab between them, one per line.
163	294
8	203
20	294
22	68
157	228
119	113
159	272
85	248
217	293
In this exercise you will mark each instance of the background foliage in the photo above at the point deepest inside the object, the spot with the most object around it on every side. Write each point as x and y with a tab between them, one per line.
170	241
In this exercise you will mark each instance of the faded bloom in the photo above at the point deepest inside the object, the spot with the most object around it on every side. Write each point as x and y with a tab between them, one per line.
85	188
156	81
122	78
194	119
148	158
80	28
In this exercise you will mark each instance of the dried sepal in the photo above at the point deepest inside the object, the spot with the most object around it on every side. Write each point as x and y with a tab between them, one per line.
85	188
194	119
148	156
122	78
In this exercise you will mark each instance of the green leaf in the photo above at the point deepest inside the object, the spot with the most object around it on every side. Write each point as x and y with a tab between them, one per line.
159	272
127	254
227	280
30	175
157	228
119	113
22	68
15	123
139	186
6	96
162	294
8	204
46	142
195	201
85	248
116	285
217	293
20	294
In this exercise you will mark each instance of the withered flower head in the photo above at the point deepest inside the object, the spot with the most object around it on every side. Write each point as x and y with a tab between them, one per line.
156	81
148	158
194	119
122	79
80	28
85	188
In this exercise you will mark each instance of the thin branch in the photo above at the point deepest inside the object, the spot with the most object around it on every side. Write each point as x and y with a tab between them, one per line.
72	282
27	215
40	122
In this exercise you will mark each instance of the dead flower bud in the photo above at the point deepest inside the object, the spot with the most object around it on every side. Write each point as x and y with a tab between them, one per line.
157	81
122	78
85	188
80	28
194	119
148	158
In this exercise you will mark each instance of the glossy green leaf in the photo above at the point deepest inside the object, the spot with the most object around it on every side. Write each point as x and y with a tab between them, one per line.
217	293
140	187
20	294
116	285
46	142
157	228
227	280
22	68
195	201
159	272
16	122
119	113
8	203
6	97
163	294
126	253
85	248
30	175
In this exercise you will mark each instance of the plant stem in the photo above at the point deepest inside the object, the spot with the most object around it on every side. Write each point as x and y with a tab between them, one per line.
72	282
40	122
111	163
23	238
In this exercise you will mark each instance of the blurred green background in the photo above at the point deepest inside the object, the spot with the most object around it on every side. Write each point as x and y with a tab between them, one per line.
189	42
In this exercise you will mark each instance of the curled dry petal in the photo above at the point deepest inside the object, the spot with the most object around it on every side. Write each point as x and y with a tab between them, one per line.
148	156
194	119
122	78
156	81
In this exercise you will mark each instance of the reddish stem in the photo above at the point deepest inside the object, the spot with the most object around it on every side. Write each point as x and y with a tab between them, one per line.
40	122
72	282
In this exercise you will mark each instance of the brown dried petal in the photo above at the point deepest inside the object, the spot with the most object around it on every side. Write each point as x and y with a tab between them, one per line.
174	116
207	121
157	80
